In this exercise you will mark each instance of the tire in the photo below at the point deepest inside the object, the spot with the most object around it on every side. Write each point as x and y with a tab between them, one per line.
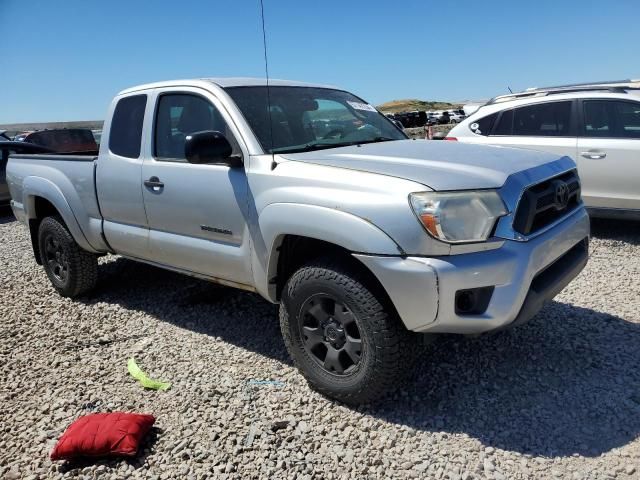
387	349
71	270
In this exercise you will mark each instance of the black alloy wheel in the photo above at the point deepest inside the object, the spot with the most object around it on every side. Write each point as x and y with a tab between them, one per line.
56	258
331	334
342	332
71	270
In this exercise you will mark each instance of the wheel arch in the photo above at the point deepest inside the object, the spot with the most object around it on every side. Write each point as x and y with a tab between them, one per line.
41	199
312	230
42	208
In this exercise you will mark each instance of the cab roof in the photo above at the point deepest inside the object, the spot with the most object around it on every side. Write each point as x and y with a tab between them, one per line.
224	82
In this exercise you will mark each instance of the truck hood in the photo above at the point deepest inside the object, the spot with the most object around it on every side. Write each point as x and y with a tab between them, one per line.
440	165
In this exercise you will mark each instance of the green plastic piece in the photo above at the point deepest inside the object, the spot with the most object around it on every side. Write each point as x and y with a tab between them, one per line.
144	380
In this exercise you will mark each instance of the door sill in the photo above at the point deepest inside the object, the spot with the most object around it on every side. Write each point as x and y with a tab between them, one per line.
208	278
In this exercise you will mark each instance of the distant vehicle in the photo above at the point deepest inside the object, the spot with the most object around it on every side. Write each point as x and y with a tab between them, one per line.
456	116
405	119
65	140
432	118
444	118
362	235
413	119
19	137
440	116
598	126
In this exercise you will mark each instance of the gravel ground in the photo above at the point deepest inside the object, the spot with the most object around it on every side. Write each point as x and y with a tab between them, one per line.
557	398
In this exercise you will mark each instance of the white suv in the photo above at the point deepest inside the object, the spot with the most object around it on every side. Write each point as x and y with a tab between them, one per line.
598	127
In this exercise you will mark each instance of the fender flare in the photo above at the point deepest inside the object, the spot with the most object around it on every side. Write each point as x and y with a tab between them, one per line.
277	220
40	187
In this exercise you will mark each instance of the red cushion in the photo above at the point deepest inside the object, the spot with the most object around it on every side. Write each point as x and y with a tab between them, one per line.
103	434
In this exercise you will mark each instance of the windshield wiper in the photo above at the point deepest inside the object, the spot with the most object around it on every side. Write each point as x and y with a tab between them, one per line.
375	140
319	146
311	146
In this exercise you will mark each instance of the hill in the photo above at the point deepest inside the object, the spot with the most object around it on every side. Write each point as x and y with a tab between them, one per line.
396	106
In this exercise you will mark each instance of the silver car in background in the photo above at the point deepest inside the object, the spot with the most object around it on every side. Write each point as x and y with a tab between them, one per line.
597	126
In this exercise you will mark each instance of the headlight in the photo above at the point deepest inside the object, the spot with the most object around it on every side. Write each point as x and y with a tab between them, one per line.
458	216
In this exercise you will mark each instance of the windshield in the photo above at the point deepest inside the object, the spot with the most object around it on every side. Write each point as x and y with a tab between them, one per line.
306	118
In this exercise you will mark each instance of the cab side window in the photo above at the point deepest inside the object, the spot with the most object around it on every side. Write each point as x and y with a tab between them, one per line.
126	126
179	115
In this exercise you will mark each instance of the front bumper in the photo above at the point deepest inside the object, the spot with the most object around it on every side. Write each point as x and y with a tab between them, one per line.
524	275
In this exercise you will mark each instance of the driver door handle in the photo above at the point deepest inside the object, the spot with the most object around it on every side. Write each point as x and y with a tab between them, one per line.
593	154
154	183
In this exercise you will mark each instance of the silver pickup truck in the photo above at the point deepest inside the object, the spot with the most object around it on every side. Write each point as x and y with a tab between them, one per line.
309	196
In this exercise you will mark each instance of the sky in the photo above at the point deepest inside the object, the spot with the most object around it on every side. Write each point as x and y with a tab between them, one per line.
65	60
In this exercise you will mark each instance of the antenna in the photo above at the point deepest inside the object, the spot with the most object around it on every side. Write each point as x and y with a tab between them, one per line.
510	91
266	71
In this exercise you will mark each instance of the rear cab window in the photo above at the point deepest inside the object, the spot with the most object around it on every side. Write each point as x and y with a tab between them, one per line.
125	137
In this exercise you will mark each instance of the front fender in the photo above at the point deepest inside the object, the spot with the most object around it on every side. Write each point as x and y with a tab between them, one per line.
40	187
340	228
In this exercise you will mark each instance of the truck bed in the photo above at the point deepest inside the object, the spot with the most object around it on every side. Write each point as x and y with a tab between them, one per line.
68	178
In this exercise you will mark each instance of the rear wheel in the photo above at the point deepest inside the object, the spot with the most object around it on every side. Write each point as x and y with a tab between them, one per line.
71	270
346	342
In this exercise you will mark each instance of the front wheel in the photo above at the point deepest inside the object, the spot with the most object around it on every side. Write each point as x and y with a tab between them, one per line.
71	270
347	343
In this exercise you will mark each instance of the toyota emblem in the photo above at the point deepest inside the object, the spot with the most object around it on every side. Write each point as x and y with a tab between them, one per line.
561	195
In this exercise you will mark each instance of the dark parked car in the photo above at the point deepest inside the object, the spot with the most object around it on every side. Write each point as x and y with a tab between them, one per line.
65	140
411	119
8	146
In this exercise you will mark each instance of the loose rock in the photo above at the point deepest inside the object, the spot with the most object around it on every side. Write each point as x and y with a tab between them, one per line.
555	398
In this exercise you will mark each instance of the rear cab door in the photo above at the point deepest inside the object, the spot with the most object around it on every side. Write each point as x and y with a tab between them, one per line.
609	153
196	212
118	177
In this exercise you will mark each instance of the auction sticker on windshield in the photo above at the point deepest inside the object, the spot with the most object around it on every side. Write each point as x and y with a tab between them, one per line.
362	106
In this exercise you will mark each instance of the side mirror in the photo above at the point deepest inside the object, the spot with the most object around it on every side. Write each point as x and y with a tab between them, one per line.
209	146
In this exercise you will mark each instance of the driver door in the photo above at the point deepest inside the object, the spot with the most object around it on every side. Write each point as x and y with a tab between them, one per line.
196	212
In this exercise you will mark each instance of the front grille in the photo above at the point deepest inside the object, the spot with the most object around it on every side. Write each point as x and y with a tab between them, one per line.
546	202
